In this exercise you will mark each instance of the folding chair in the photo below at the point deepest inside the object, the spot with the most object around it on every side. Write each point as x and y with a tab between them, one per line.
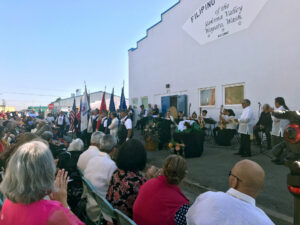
107	211
80	172
1	204
123	219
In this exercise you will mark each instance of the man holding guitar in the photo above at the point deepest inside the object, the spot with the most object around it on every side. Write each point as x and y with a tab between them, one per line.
246	123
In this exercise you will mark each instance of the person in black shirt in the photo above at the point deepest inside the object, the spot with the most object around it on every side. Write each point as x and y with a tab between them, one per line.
180	117
155	110
264	124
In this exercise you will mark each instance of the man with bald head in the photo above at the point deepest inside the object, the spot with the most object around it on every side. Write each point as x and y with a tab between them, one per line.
235	207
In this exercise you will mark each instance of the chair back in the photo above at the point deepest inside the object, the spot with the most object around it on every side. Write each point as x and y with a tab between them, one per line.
106	209
1	204
123	219
80	172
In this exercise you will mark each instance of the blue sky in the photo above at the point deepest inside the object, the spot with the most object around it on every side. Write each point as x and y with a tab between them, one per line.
48	48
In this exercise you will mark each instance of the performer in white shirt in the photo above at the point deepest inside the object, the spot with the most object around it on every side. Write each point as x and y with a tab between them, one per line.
235	207
125	129
61	122
278	128
103	123
114	126
227	128
246	123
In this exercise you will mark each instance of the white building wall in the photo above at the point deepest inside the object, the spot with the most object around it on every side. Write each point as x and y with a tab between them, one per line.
265	57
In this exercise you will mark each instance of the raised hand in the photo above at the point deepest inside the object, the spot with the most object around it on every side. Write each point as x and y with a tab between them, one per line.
61	183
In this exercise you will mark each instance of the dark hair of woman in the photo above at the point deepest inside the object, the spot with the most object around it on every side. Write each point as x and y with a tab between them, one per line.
281	102
131	156
231	113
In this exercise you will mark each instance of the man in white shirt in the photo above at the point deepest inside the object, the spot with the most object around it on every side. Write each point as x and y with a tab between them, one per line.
50	118
237	205
246	123
278	127
92	151
125	129
99	171
103	123
114	126
61	122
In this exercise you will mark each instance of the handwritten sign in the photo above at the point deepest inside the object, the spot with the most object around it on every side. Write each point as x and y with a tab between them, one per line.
219	18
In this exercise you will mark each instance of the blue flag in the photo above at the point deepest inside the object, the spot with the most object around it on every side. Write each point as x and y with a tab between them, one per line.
123	101
112	107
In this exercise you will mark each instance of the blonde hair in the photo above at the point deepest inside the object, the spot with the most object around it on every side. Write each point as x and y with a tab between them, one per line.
174	169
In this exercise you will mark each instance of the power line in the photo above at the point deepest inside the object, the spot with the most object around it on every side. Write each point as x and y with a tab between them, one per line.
31	94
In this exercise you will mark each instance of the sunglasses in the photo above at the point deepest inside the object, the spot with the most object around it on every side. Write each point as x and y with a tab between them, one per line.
230	174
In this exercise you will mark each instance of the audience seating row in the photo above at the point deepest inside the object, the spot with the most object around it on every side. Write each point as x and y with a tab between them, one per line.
108	213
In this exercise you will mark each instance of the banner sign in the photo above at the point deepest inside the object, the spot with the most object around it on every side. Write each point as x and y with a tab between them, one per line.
219	18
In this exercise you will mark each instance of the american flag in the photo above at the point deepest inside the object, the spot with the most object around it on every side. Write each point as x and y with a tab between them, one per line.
73	117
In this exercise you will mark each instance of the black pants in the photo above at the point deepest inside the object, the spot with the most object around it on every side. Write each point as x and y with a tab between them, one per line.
61	131
215	131
256	131
224	137
279	148
245	146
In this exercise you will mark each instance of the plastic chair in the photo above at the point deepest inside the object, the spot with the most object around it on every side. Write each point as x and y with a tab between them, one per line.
80	172
107	211
123	219
1	204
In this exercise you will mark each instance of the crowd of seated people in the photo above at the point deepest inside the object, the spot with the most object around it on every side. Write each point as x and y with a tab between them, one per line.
42	182
31	193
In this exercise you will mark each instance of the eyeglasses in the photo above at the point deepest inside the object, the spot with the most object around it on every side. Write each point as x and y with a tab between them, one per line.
230	174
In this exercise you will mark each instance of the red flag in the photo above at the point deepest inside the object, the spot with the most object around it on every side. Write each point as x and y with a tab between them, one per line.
102	108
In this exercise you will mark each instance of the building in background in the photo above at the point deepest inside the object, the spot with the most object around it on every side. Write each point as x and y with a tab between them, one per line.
66	104
7	108
207	53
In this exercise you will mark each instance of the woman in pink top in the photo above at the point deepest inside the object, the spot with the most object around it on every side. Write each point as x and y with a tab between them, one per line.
28	179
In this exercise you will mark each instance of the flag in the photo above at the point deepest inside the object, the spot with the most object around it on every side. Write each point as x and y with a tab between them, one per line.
84	111
73	117
112	107
122	101
102	108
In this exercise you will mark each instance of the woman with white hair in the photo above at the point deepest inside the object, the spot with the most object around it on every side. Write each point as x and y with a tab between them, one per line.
70	158
29	177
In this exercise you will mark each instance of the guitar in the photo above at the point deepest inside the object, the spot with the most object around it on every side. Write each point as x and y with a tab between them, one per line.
221	123
200	119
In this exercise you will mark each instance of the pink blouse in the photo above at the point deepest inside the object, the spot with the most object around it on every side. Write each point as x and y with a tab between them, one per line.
43	212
